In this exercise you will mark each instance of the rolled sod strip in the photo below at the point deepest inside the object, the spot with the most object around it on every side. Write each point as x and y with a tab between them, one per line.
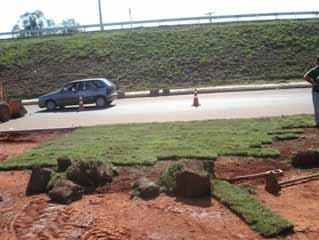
258	217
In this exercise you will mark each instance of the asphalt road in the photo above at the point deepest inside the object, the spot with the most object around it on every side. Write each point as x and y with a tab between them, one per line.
172	108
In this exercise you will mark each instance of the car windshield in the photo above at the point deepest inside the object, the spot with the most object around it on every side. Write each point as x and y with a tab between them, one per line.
109	83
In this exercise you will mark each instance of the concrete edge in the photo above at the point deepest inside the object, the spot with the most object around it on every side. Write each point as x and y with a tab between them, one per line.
38	130
171	92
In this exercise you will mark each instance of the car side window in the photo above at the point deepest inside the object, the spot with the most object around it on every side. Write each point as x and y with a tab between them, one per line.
99	84
79	86
68	87
90	85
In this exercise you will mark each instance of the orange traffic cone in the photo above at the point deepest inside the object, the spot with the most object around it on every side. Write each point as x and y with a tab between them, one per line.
81	105
195	102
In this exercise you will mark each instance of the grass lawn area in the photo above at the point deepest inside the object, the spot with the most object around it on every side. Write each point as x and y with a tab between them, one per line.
133	144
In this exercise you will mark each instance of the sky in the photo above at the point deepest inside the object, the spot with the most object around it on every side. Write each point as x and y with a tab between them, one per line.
86	11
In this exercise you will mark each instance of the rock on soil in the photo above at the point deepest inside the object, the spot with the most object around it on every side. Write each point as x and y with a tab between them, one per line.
90	174
54	178
306	159
63	163
65	192
144	188
191	184
38	181
167	180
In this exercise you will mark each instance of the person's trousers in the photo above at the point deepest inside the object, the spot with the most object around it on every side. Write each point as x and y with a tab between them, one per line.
315	99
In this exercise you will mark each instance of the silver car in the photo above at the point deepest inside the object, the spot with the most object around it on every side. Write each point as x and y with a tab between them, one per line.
98	90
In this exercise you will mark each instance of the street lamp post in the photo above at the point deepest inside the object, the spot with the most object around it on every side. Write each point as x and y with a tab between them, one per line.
101	20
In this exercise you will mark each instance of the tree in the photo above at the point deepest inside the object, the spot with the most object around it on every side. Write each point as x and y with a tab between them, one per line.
30	22
70	25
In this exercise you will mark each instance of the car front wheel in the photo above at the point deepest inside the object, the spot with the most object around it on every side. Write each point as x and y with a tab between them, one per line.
100	102
51	105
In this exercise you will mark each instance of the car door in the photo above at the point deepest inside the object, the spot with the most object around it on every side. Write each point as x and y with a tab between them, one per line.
91	91
84	91
77	92
69	95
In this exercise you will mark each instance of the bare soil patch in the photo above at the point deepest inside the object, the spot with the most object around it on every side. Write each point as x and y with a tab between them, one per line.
308	140
110	214
14	144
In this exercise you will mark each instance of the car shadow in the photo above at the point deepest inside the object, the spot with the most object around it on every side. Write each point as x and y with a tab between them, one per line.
76	109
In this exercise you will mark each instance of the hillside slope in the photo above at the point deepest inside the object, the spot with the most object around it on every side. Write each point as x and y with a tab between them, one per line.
181	56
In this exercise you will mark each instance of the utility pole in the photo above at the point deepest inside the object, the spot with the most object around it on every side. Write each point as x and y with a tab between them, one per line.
130	16
100	12
210	15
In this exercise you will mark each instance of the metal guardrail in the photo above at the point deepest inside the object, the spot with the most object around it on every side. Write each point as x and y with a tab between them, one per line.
178	21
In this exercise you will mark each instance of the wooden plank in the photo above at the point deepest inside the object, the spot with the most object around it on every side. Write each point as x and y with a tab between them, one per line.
276	172
310	177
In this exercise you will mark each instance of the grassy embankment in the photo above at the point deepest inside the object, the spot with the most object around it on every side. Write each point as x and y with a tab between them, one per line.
173	57
131	144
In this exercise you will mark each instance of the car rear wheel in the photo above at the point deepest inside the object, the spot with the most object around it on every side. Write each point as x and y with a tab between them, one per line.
100	102
51	105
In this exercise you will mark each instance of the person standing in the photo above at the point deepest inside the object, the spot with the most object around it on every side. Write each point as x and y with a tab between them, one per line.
312	76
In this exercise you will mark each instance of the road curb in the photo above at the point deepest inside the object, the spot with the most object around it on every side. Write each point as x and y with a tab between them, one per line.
38	130
220	89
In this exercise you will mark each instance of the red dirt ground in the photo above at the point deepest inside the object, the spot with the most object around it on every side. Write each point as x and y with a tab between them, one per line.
15	144
110	214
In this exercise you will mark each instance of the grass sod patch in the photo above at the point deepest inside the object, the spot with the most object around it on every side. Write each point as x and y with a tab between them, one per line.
284	137
260	218
144	144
